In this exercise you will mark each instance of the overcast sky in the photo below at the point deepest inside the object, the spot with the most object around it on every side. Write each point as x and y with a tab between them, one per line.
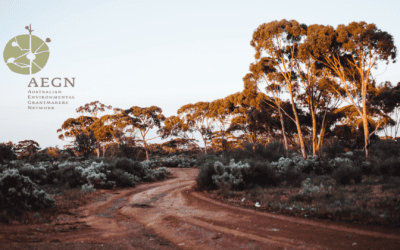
141	53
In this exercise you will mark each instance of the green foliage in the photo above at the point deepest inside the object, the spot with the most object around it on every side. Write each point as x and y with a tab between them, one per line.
18	193
384	149
176	161
332	148
35	174
87	188
131	167
389	166
204	179
270	152
346	173
230	175
7	153
68	175
260	173
38	157
85	143
26	148
76	159
121	178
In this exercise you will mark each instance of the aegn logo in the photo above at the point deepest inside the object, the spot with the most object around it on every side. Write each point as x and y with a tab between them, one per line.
26	54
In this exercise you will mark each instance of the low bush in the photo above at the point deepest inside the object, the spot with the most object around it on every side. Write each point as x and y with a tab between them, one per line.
6	153
294	178
87	188
131	167
384	149
18	193
35	174
204	179
332	148
260	173
69	176
38	157
271	152
121	178
230	175
203	159
390	166
346	173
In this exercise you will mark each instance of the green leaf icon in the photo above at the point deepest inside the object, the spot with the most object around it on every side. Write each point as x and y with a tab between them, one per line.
26	54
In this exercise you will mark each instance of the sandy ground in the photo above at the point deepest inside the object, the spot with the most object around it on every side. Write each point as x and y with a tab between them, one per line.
171	215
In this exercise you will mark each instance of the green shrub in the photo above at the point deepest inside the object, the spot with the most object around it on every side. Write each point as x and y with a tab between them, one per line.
273	151
76	159
390	166
332	148
6	153
161	173
68	175
347	173
230	175
204	179
37	157
131	167
36	174
203	159
87	188
294	178
384	149
18	193
122	179
260	173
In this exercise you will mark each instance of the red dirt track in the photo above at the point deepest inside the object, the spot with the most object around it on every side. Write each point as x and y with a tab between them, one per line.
171	215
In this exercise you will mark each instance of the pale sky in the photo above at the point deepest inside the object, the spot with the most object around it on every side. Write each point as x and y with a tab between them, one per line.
165	53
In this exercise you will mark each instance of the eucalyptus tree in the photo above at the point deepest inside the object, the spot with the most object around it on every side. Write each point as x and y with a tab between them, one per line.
26	148
143	120
277	43
350	53
183	134
197	118
73	127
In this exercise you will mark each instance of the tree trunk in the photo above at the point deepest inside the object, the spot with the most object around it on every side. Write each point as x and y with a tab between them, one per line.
285	143
365	123
314	133
205	144
366	136
301	140
145	149
321	138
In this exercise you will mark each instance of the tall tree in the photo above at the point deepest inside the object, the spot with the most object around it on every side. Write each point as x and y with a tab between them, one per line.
94	108
183	134
143	120
85	143
350	53
387	100
26	148
196	116
278	42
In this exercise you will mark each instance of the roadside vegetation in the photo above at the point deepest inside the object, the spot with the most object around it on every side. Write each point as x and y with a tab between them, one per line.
344	188
301	138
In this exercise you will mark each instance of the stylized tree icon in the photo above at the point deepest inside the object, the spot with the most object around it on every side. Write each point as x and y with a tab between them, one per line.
26	54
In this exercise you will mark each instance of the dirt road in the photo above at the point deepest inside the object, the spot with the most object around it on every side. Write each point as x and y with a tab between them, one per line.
170	215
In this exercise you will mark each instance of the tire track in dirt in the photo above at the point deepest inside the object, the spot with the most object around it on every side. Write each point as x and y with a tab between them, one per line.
192	221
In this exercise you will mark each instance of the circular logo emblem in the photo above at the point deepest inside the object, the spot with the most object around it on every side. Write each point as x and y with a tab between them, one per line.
26	54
